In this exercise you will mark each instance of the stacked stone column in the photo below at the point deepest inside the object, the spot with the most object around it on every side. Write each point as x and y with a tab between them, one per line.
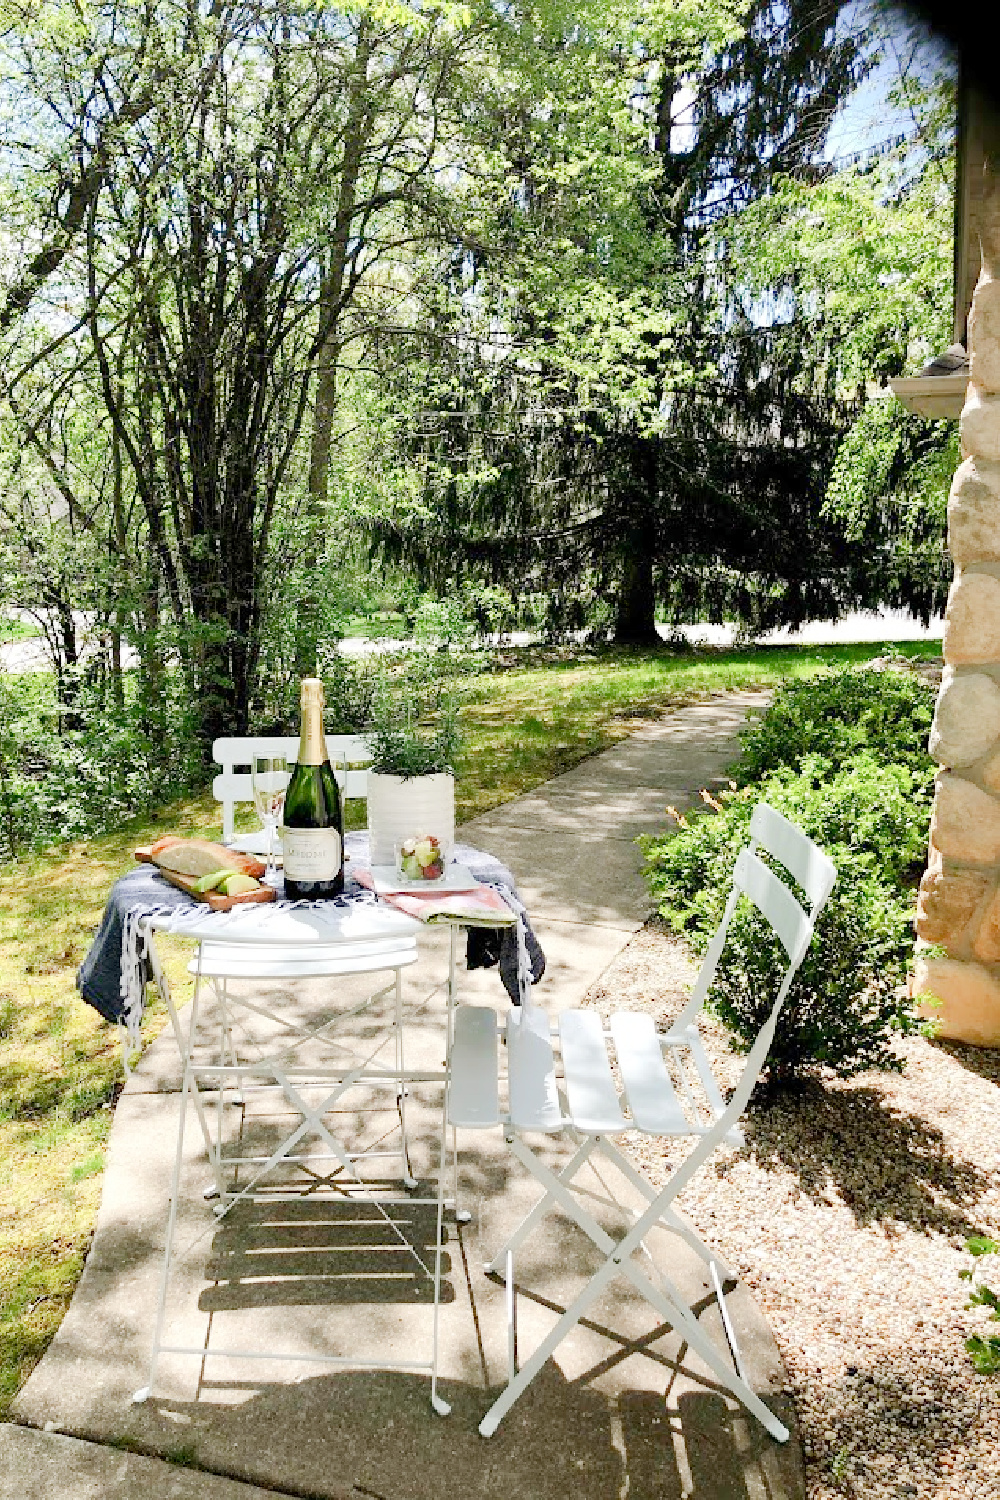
959	903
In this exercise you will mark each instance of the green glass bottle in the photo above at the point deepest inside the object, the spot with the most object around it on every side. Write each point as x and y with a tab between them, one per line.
312	834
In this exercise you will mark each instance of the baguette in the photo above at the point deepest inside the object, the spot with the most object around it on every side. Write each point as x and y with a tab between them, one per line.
195	857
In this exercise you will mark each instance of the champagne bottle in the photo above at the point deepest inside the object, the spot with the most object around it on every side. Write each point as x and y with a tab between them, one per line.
312	834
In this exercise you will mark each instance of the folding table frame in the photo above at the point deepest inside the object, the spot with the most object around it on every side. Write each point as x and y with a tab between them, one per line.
560	1079
262	943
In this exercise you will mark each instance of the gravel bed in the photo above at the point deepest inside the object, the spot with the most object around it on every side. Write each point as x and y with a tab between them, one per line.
846	1212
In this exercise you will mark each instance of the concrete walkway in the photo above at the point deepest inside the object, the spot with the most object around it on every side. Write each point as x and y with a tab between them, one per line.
594	1424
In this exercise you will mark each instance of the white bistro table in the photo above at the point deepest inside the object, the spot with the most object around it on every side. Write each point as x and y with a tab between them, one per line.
251	1044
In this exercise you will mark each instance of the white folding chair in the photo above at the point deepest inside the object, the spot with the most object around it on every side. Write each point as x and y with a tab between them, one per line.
350	756
663	1074
233	786
307	1064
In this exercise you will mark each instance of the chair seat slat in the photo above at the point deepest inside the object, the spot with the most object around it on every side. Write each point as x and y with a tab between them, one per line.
590	1086
473	1096
534	1097
656	1110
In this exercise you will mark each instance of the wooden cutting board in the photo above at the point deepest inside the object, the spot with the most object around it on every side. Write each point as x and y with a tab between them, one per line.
218	902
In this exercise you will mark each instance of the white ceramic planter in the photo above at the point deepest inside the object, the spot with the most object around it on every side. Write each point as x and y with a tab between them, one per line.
401	806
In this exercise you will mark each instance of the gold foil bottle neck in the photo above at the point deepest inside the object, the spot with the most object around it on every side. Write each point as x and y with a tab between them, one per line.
312	745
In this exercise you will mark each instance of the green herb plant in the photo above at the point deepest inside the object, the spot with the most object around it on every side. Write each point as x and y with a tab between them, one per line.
414	728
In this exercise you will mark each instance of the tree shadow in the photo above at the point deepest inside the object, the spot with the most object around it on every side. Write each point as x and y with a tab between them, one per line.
983	1061
885	1164
352	1434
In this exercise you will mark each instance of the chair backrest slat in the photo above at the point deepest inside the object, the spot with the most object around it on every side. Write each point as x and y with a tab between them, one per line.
814	870
233	787
774	901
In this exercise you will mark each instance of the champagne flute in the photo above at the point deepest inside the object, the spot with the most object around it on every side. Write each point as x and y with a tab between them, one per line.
270	777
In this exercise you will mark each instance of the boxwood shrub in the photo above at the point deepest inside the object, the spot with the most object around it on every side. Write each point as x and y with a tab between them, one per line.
844	758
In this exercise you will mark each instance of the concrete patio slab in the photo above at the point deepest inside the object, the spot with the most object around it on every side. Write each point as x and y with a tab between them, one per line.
48	1466
624	1398
569	879
623	1407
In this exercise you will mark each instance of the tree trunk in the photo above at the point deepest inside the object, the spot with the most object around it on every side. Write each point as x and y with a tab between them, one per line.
151	686
120	541
307	632
67	678
635	618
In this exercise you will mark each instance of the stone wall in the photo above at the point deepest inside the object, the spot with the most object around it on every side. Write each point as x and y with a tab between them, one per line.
959	903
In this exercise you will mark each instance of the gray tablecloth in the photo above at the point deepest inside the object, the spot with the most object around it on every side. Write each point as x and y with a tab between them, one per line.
100	977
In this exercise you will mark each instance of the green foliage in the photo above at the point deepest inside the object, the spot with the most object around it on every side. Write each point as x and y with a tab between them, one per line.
853	774
887	714
984	1350
414	724
889	491
64	780
443	622
642	412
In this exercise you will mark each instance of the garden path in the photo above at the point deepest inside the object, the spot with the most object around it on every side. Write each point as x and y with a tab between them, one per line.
593	1424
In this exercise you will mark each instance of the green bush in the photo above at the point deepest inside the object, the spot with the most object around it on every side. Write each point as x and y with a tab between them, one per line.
868	807
59	782
886	713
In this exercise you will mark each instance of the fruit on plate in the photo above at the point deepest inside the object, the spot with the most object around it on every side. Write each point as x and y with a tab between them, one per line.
422	858
199	857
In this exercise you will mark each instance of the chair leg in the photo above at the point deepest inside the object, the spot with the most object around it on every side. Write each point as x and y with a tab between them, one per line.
667	1301
541	1208
531	1367
437	1402
684	1322
408	1178
184	1042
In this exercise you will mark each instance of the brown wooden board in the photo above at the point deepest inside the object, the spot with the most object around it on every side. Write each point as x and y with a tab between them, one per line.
211	898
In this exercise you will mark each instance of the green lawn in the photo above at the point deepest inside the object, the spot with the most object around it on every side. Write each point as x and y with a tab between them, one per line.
551	709
60	1066
13	628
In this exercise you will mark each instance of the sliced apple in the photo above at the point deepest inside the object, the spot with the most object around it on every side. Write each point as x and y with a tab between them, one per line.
212	880
237	884
426	851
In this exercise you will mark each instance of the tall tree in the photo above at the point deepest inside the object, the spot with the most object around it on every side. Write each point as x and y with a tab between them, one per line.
242	214
698	400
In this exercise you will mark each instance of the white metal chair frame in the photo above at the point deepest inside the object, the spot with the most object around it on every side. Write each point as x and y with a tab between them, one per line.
247	956
349	754
657	1072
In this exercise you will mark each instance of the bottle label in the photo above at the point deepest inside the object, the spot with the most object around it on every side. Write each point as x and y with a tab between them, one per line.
311	853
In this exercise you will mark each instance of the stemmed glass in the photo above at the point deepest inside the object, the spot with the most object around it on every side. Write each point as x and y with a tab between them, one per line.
270	776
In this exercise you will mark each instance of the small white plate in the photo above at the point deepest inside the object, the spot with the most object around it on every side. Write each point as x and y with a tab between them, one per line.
388	879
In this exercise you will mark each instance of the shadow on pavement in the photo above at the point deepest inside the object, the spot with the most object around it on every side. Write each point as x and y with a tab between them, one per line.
374	1435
